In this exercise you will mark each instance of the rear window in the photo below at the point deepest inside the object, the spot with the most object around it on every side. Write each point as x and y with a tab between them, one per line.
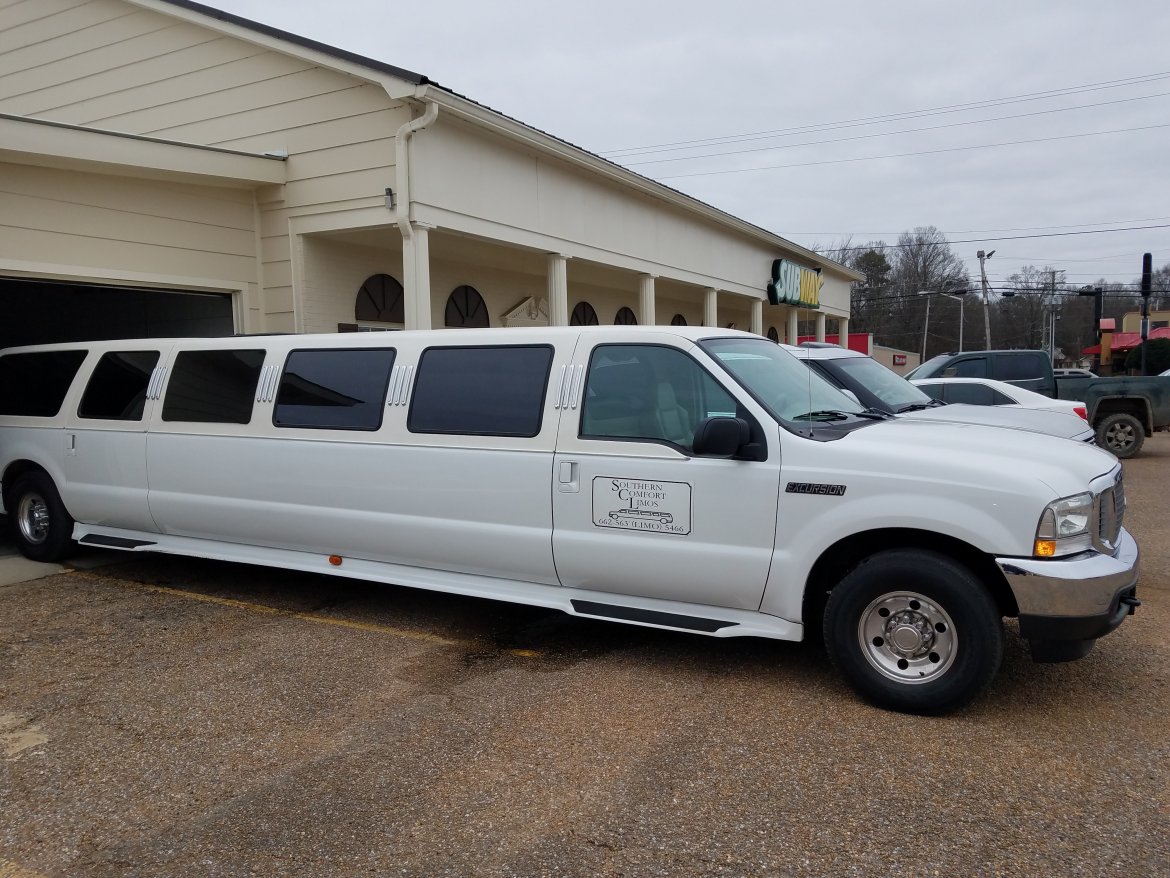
34	384
481	391
213	387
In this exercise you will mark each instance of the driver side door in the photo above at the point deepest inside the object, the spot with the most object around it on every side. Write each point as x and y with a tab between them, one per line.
635	511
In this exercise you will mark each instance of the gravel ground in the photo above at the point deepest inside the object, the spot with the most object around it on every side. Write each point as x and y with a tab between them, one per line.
167	716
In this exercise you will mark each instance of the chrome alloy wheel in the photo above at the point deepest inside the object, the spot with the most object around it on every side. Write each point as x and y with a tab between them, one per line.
32	517
907	638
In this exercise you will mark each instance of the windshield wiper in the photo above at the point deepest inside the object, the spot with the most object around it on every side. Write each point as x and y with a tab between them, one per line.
837	415
919	406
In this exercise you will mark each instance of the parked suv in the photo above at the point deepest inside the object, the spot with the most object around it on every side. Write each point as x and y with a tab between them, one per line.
880	388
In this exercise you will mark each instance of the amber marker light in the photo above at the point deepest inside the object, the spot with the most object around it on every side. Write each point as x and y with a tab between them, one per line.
1045	548
335	560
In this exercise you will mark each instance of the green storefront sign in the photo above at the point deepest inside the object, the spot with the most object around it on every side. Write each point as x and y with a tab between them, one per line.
792	284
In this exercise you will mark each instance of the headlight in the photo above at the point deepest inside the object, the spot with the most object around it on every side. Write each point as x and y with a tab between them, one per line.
1064	527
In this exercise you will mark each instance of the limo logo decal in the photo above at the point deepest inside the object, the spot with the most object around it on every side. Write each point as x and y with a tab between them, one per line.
643	505
815	488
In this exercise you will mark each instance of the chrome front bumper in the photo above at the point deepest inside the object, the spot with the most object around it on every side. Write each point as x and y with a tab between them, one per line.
1086	585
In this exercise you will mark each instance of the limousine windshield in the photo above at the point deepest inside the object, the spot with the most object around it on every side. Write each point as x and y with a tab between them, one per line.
778	381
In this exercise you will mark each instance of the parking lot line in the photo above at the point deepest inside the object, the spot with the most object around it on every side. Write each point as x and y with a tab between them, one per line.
250	607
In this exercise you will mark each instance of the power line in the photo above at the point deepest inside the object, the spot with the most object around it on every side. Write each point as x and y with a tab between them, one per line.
773	147
909	154
909	114
1007	238
1147	219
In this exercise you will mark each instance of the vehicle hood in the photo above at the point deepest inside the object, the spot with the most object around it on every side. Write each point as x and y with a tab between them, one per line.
975	453
1054	423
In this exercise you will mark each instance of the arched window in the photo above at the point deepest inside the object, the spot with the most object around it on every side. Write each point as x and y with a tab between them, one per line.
583	315
773	335
625	317
678	320
379	301
465	308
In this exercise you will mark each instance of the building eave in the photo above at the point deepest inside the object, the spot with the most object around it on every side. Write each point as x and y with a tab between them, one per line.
55	144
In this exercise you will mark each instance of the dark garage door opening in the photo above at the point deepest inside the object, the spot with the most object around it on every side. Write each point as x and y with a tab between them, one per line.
43	311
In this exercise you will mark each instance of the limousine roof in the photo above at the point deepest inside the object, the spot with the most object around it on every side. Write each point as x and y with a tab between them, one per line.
456	337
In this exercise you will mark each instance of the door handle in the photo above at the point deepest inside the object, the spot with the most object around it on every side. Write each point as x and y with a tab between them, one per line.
71	444
569	477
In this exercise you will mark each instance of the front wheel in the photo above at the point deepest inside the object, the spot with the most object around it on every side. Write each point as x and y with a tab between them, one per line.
914	631
1122	433
43	529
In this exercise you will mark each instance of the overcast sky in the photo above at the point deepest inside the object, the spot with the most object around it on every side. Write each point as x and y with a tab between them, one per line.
611	76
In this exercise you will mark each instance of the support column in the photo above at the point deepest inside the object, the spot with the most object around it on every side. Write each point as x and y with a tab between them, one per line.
416	277
558	289
711	307
793	335
758	316
843	331
820	326
646	300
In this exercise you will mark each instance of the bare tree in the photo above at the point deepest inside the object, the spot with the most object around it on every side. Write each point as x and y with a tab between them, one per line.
923	261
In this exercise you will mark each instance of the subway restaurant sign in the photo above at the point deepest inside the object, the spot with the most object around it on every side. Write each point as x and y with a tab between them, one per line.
793	285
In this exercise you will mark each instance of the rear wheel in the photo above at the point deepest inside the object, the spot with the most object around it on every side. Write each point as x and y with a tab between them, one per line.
914	631
43	530
1122	433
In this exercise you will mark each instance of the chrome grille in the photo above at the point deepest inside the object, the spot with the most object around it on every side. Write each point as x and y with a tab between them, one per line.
1110	505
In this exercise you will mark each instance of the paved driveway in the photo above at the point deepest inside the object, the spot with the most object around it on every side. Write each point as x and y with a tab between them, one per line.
167	716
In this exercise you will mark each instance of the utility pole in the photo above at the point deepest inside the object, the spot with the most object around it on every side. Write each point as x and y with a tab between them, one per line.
1147	288
1050	329
1098	313
986	308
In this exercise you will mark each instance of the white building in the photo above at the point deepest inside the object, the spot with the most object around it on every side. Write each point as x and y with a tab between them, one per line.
167	168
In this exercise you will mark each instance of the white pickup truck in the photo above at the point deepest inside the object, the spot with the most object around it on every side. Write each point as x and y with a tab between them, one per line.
697	480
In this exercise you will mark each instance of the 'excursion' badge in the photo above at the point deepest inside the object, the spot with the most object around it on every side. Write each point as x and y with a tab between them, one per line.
814	488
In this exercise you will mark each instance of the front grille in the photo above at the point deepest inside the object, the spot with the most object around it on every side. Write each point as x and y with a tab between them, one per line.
1110	505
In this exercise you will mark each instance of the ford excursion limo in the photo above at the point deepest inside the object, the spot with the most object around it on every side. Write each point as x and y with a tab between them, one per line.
698	480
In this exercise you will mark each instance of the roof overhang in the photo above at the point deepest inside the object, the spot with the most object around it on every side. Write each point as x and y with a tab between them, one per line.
55	145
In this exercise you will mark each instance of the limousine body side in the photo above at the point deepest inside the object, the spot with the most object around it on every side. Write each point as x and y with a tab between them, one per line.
690	479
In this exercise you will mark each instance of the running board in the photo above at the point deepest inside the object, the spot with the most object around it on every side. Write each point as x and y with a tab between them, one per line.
108	542
631	609
650	617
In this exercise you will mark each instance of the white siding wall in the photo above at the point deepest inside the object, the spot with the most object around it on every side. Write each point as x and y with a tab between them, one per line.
93	225
114	66
468	179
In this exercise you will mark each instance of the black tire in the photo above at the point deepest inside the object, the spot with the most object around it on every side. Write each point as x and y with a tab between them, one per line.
949	627
1122	433
41	526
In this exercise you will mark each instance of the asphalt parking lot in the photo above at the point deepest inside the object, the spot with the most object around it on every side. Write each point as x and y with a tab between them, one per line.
170	716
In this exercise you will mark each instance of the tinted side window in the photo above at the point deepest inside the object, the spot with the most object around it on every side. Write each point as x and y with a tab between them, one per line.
481	391
973	367
998	398
341	389
934	391
971	394
652	393
34	385
117	388
213	387
1019	367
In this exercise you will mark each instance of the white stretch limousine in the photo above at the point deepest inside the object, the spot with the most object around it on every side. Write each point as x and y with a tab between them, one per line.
692	479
